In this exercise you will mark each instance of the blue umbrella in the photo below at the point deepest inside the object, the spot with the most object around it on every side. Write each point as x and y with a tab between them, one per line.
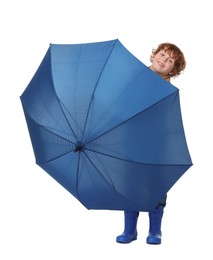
105	126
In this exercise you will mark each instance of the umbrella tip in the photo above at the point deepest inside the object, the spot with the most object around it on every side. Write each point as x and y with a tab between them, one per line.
78	147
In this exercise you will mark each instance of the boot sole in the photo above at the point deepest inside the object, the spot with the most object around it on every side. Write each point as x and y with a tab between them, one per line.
125	241
153	241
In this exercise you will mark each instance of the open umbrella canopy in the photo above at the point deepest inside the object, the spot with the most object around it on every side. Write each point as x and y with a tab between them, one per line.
105	126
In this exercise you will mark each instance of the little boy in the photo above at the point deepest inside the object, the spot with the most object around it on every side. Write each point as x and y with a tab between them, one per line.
168	62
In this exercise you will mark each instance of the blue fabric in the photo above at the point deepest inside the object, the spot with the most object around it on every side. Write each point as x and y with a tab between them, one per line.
105	126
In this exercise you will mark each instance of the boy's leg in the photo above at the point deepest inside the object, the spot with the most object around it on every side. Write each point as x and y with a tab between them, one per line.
155	219
130	227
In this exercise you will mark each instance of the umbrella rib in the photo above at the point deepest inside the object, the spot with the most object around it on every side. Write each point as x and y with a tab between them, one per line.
135	162
60	103
59	156
48	130
128	119
92	96
109	183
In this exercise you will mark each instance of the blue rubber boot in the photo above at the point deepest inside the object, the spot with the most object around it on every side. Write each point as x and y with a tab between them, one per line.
155	218
130	229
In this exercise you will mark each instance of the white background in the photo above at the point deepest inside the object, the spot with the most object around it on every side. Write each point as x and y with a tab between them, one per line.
38	218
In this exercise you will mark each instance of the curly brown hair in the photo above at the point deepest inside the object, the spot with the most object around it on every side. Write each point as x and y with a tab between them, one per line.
175	52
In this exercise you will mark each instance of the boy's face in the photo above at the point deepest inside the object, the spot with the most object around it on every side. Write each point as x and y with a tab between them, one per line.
163	64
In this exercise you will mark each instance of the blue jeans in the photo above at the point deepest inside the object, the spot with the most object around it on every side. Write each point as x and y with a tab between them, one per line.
162	202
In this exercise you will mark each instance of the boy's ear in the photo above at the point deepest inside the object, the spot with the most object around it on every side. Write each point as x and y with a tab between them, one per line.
152	57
